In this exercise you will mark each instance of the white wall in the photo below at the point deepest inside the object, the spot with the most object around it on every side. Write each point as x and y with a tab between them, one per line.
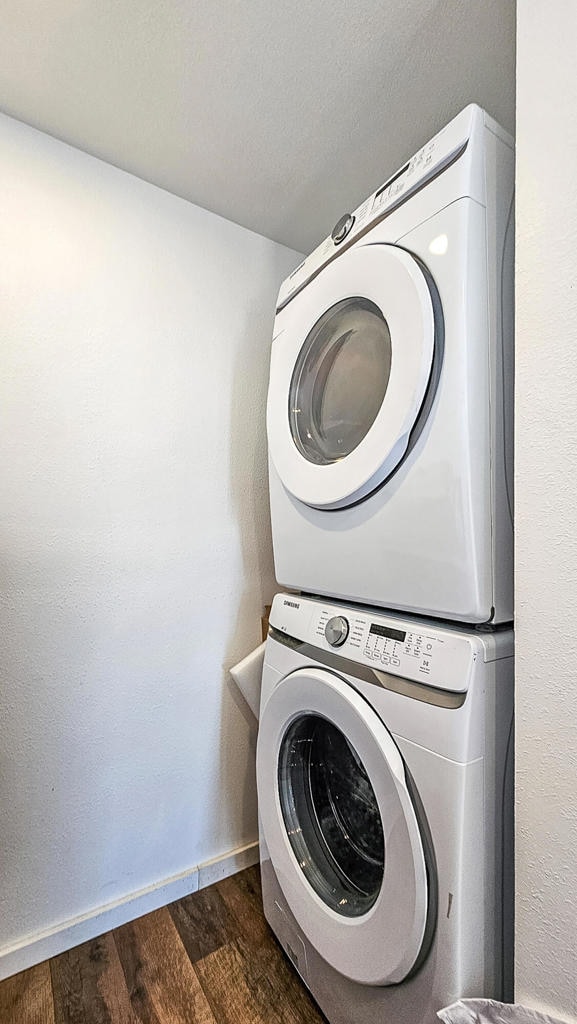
134	539
546	506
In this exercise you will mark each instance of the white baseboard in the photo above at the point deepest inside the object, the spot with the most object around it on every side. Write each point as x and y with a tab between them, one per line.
221	867
41	946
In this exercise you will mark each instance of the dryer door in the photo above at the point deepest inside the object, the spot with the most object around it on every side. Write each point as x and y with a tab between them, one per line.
341	828
349	375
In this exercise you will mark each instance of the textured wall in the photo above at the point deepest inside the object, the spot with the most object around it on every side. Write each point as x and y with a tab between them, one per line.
546	503
134	540
279	117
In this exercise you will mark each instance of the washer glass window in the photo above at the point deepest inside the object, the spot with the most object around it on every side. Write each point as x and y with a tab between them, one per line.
339	380
331	815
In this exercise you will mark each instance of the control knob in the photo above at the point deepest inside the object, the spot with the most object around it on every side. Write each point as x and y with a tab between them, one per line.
337	630
342	228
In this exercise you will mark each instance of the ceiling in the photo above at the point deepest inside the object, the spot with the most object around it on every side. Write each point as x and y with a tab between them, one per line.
278	116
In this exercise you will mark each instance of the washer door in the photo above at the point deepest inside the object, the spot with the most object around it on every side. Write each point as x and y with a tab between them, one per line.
341	828
349	374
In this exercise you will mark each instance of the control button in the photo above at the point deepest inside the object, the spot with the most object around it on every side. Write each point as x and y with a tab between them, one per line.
342	228
385	659
337	630
395	661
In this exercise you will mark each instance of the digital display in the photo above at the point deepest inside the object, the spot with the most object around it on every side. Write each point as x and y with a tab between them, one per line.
392	634
391	180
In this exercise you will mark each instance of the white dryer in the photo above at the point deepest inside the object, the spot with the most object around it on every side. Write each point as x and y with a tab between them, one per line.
390	400
385	805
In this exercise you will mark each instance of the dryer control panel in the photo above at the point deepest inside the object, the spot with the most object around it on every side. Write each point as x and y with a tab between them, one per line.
429	161
413	648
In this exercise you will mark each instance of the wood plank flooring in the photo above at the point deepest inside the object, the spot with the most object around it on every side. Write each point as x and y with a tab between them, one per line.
209	958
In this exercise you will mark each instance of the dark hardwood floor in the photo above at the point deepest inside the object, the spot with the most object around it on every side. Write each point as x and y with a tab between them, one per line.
210	958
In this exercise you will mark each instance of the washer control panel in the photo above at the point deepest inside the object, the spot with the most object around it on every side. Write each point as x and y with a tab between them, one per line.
417	652
413	648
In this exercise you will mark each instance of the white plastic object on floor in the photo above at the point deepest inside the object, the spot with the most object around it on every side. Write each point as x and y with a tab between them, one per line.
489	1011
247	675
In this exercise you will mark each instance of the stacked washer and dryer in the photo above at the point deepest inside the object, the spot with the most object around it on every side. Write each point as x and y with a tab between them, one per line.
384	748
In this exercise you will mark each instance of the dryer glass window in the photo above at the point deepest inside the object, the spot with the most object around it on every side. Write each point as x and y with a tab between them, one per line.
331	815
339	380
